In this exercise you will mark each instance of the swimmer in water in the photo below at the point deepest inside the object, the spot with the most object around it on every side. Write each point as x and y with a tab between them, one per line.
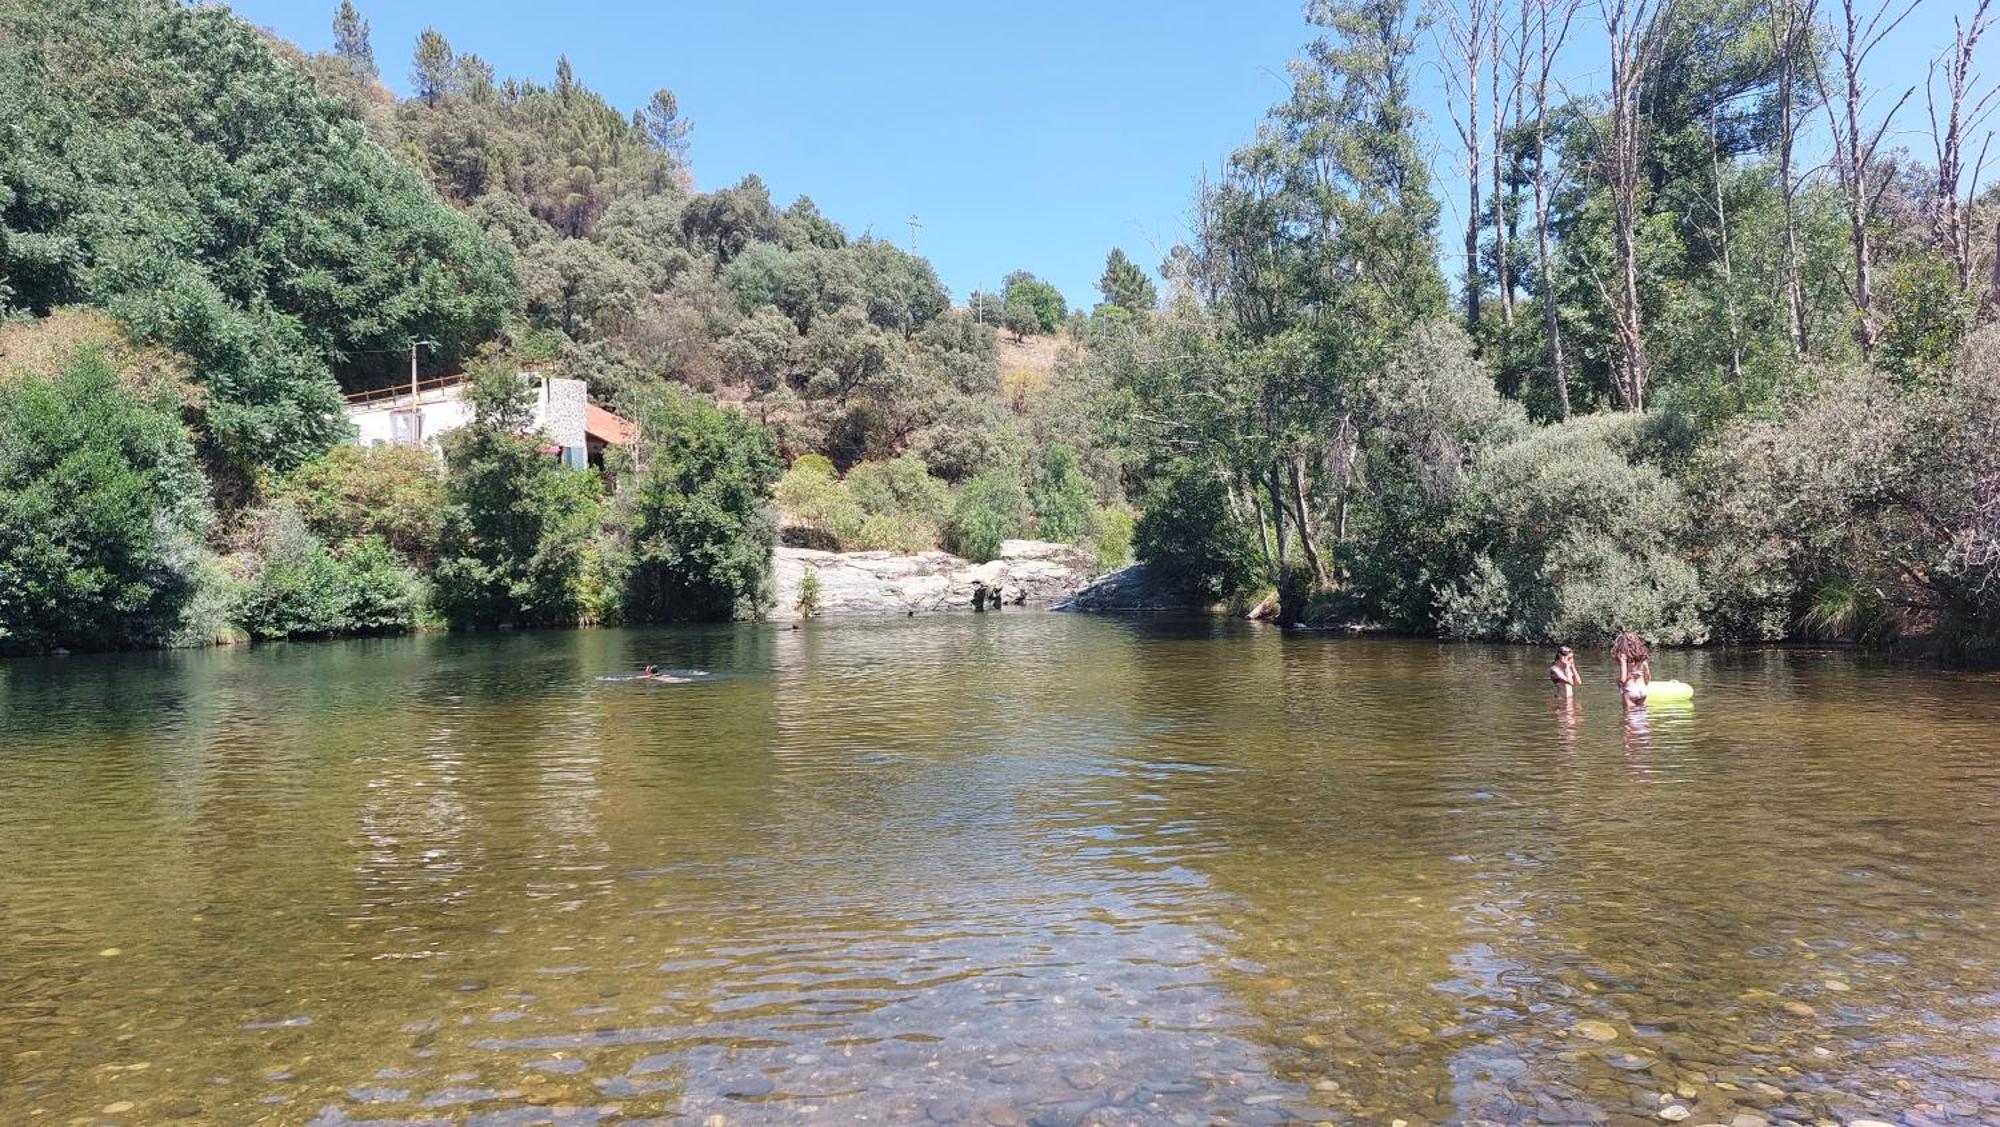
653	673
1564	673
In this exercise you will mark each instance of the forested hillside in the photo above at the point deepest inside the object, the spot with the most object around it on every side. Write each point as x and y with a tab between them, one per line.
206	236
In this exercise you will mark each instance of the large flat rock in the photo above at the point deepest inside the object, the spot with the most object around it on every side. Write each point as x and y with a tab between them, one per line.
1035	573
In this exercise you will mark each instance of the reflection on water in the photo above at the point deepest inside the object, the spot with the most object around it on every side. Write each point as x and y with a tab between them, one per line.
999	869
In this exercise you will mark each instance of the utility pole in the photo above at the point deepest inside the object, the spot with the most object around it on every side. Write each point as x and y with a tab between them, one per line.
915	226
414	345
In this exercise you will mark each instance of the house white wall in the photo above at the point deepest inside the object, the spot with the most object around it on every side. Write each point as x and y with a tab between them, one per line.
557	408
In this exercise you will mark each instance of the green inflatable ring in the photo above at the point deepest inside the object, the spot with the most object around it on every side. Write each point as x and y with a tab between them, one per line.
1669	690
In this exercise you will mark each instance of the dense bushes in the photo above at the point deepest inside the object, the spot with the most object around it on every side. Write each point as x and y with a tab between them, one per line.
899	505
102	511
392	492
163	162
1189	537
694	521
987	510
296	586
1576	541
517	528
1870	508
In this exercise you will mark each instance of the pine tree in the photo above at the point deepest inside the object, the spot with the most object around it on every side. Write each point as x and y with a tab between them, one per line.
350	41
662	121
1125	285
432	70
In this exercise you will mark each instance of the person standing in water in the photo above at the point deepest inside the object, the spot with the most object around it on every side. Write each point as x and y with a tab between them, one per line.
1563	673
1635	667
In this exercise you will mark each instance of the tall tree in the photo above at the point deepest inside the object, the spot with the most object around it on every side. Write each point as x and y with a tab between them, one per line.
1550	29
1125	285
433	71
1633	30
1792	26
1319	248
661	119
1462	29
1965	109
1857	34
350	41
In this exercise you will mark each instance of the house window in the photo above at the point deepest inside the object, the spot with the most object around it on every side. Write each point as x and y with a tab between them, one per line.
406	428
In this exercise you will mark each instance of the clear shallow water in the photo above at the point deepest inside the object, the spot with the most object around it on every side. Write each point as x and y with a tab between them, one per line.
1004	868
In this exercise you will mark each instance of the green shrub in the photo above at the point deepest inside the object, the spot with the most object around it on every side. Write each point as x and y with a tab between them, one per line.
1114	537
517	526
1189	537
810	498
1478	605
208	617
808	600
695	518
351	493
1578	541
295	586
987	510
101	512
1065	508
902	485
896	532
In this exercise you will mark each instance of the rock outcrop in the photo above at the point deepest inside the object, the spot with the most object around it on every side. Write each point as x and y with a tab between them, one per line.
1032	573
1131	588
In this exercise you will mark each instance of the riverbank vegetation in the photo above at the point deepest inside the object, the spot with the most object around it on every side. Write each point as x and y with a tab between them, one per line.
1716	361
208	236
1690	378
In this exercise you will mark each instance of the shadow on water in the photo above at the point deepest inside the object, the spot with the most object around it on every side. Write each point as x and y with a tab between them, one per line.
992	868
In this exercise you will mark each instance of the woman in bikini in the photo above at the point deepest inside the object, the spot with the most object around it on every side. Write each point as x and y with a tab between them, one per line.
1634	666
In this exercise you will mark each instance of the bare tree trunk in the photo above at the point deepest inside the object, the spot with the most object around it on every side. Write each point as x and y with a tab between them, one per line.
1503	269
1728	267
1633	28
1461	38
1306	544
1791	26
1854	148
1949	229
1551	29
1276	492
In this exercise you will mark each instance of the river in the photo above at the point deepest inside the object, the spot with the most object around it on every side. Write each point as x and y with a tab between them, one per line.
1006	868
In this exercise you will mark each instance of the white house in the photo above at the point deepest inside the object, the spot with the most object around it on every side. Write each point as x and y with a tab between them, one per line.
577	431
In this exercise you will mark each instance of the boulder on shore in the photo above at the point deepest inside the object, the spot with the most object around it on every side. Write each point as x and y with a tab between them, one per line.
1130	588
1033	573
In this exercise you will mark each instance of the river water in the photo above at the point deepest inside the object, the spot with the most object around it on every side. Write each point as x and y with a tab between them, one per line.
1005	868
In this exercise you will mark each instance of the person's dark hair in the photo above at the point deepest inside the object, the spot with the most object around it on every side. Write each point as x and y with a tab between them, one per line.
1564	651
1629	646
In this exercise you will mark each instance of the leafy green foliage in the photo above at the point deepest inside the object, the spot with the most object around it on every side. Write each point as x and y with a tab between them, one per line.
899	486
101	512
1189	537
1125	286
297	587
694	518
272	243
512	548
812	503
1065	509
1024	290
391	493
987	510
808	600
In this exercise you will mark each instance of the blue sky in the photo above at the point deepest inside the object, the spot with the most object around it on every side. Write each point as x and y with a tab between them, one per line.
1030	135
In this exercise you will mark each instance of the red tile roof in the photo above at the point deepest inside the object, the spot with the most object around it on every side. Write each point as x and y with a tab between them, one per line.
607	427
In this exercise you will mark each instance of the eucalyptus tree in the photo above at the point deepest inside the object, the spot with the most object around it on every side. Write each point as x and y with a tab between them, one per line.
1317	247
